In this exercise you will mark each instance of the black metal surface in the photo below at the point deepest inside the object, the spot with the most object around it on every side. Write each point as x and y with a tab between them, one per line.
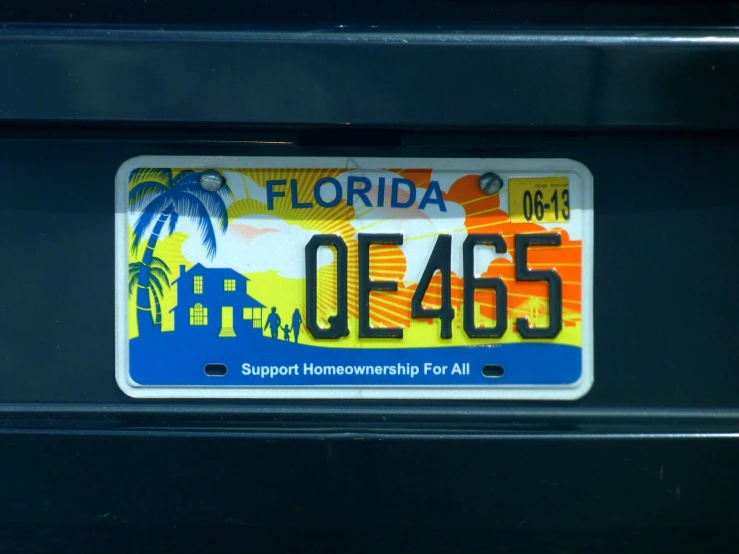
642	93
456	78
399	16
93	494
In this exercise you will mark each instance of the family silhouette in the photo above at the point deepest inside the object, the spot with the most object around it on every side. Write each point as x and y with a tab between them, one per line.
274	322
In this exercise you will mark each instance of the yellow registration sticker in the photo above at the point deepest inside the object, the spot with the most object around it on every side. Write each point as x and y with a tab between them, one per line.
539	200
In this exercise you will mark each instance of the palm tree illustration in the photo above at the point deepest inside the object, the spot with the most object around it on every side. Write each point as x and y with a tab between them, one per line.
158	277
162	198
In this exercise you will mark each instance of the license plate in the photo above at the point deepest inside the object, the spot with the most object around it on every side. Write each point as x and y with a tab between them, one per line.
278	277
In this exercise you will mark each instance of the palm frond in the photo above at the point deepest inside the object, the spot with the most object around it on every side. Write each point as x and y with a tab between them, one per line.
158	262
226	192
155	284
155	294
152	210
132	280
177	181
189	206
173	222
159	175
140	195
156	304
159	276
214	204
134	269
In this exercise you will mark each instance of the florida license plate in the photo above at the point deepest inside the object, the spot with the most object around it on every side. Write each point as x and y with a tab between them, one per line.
354	278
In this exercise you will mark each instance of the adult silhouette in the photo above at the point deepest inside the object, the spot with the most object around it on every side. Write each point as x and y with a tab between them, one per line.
297	322
274	322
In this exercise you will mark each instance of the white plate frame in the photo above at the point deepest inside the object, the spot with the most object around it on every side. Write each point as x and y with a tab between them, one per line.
522	167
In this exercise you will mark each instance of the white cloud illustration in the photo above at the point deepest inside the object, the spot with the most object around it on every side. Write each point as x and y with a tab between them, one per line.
256	243
243	187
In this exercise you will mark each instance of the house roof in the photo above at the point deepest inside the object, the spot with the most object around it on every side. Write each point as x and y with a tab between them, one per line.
224	272
250	302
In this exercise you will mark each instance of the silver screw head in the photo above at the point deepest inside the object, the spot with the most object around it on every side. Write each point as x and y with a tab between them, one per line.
211	180
490	183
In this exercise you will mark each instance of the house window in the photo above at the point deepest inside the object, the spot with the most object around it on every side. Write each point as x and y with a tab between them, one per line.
255	314
197	284
229	285
198	315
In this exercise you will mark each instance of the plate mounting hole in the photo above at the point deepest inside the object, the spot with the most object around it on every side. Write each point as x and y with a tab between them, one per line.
215	370
493	371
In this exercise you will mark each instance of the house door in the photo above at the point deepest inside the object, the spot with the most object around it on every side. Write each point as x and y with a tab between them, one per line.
227	322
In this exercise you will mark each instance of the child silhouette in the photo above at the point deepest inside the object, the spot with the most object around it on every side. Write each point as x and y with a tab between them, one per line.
286	333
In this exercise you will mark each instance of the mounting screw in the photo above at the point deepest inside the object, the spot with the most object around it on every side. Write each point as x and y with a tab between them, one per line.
490	183
211	180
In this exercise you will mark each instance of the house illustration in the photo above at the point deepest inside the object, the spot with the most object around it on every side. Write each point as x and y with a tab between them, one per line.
215	301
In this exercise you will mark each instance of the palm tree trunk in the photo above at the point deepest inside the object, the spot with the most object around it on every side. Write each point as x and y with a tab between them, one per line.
144	315
157	314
